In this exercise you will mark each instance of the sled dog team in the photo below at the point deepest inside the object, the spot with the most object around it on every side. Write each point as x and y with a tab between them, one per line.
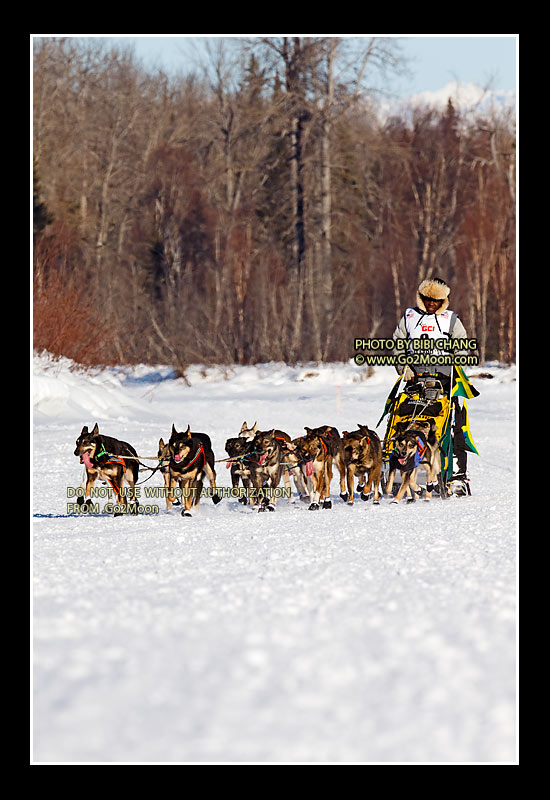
260	459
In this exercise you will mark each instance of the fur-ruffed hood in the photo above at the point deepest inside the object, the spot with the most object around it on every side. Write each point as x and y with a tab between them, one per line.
436	289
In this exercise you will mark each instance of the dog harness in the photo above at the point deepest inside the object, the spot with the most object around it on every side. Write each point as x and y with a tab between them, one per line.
420	450
412	461
309	464
110	460
325	446
200	452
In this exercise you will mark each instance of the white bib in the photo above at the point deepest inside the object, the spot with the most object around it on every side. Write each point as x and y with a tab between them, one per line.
430	326
424	326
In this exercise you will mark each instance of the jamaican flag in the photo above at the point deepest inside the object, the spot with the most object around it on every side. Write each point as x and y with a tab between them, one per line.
389	402
446	443
446	450
467	433
462	386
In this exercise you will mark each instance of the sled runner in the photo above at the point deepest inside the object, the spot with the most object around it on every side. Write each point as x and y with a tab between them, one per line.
425	406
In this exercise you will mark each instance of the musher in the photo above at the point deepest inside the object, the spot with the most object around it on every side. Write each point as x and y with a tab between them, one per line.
431	318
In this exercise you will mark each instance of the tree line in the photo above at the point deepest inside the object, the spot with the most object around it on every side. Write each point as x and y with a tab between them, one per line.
260	209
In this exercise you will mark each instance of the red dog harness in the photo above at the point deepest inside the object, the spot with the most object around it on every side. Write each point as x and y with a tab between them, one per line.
200	452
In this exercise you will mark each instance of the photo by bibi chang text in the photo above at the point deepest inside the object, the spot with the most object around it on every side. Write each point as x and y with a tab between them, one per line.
416	352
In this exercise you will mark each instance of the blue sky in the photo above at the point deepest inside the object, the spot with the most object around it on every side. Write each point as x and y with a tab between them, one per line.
435	59
468	59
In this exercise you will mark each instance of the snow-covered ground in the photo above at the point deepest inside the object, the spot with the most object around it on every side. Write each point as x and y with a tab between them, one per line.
353	635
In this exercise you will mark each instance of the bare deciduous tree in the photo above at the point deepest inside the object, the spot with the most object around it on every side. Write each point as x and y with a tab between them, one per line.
258	209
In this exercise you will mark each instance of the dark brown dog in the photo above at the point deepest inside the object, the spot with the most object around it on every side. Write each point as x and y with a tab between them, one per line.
362	457
238	449
316	452
266	463
292	467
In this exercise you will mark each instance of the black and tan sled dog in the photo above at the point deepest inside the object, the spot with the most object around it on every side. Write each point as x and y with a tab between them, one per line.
239	449
109	460
190	459
363	458
414	449
165	457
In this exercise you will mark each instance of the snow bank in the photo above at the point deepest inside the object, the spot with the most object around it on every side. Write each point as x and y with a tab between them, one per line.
62	389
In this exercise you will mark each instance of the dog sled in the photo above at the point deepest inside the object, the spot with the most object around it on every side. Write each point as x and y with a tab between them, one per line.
425	406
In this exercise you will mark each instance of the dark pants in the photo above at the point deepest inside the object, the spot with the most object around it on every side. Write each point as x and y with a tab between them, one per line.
459	443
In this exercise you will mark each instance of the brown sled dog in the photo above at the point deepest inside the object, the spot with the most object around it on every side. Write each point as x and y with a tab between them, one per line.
191	459
362	456
316	452
414	451
109	460
266	464
289	463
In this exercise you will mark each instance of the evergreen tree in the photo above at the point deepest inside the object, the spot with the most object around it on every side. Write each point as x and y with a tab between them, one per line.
40	215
